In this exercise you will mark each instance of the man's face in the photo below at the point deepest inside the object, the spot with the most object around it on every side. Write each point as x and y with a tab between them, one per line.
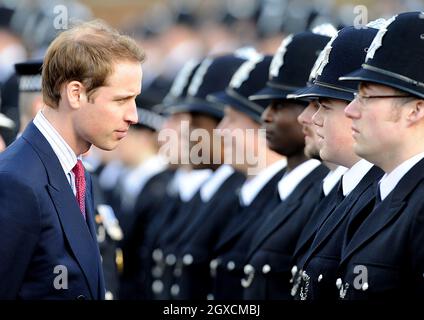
334	134
104	119
309	130
283	133
376	125
240	137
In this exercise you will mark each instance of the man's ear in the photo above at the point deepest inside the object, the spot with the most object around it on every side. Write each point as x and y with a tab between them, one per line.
75	93
416	112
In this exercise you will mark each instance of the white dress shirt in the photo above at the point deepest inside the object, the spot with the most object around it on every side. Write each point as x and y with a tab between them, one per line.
211	186
332	178
253	186
190	182
354	175
389	181
63	151
292	178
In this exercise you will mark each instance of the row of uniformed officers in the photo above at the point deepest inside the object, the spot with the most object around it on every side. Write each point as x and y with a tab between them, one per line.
335	211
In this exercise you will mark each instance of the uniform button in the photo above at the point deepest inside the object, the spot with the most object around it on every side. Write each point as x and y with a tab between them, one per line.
175	290
157	254
339	283
365	286
210	297
157	286
320	278
157	272
170	259
81	297
108	295
188	259
294	270
266	268
248	269
231	265
213	264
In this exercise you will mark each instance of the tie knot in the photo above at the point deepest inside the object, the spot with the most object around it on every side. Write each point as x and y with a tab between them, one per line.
78	169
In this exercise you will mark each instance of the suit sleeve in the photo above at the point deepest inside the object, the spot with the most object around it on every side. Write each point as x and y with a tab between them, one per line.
19	232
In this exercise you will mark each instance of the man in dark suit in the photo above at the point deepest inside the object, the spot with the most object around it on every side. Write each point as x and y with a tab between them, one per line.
91	76
316	266
383	254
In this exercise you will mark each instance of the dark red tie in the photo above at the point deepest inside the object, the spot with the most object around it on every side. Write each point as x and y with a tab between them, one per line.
78	170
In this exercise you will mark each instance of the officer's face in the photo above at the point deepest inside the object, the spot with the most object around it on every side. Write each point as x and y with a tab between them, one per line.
174	138
309	130
283	133
377	124
334	135
240	138
104	119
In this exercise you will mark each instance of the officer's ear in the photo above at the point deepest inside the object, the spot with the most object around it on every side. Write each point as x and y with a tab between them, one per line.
75	93
416	112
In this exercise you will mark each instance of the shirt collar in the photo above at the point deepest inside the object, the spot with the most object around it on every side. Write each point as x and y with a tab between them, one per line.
389	181
63	151
292	178
332	178
190	183
354	175
253	186
209	188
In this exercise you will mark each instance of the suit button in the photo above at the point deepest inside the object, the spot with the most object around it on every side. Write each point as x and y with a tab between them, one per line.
170	259
175	290
81	297
231	265
157	286
365	286
188	259
266	268
320	278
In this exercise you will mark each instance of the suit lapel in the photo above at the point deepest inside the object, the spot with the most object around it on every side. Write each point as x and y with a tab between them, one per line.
286	209
77	233
385	212
340	213
324	208
381	216
248	214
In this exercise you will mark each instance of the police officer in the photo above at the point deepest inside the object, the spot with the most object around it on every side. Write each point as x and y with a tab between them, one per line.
195	112
266	269
316	268
382	256
30	98
258	193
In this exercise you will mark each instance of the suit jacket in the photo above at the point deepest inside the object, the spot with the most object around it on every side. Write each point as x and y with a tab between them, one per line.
199	238
136	279
273	244
321	261
383	257
45	242
232	244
